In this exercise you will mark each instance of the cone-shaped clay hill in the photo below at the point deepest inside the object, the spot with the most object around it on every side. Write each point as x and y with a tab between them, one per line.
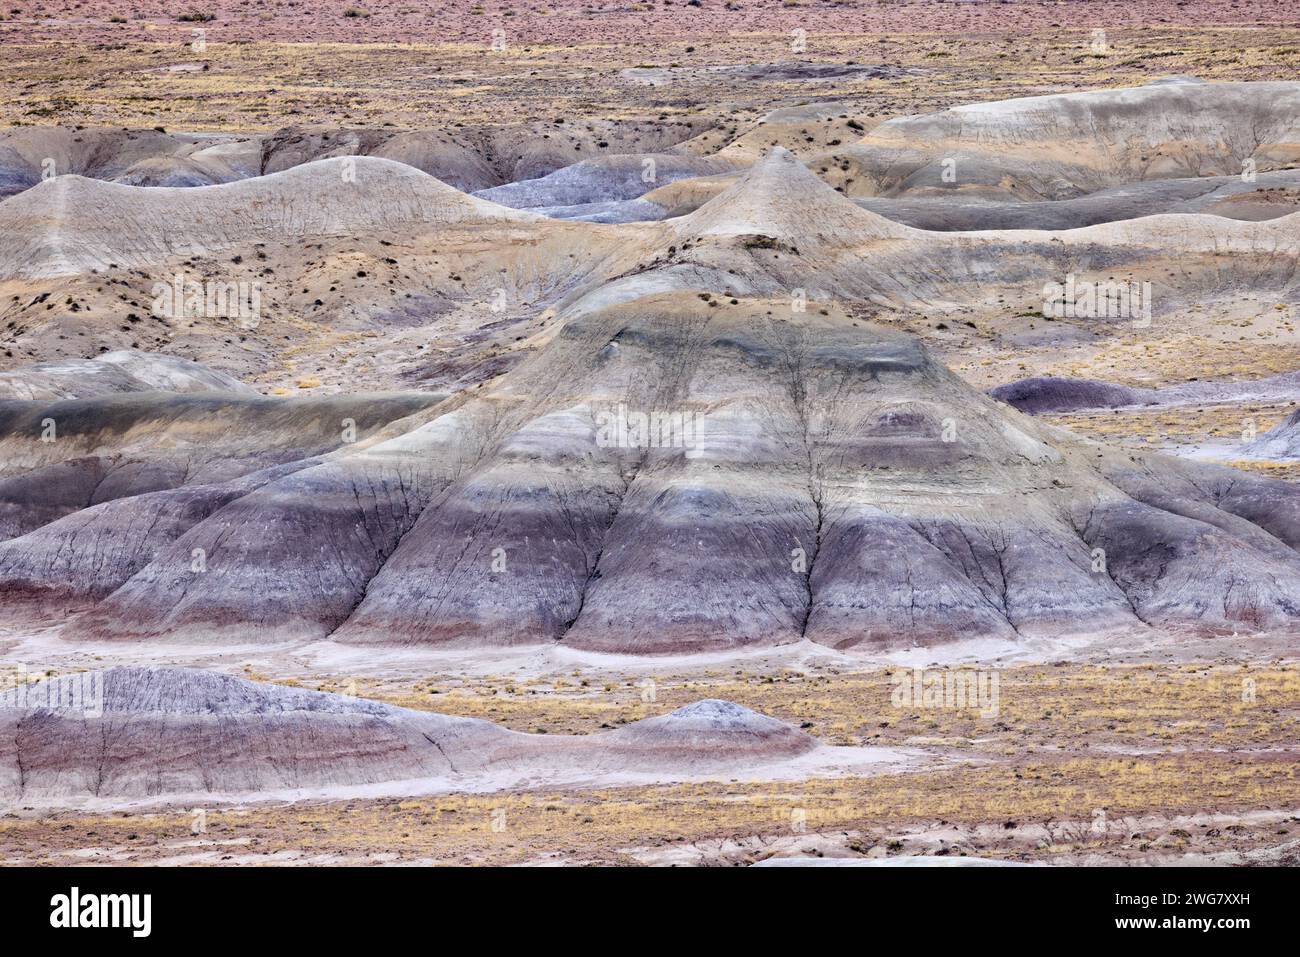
684	473
780	198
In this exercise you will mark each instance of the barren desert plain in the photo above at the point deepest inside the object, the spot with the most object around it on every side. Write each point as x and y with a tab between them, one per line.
679	432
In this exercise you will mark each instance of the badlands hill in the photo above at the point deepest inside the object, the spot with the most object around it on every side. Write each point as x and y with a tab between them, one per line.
688	435
138	157
142	732
838	485
70	224
781	200
473	158
170	734
357	260
1265	196
467	158
358	247
1065	145
1059	162
335	253
1048	162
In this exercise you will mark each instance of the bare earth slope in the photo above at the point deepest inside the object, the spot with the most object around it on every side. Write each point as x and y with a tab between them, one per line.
165	734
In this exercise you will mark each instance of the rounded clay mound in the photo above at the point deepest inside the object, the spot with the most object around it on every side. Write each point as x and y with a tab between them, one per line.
715	726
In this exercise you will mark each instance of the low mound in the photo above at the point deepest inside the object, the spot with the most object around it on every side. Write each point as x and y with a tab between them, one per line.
123	370
1053	394
714	728
131	733
184	691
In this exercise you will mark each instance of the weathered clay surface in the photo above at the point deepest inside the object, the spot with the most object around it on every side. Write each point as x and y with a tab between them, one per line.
113	372
167	733
62	456
1068	144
